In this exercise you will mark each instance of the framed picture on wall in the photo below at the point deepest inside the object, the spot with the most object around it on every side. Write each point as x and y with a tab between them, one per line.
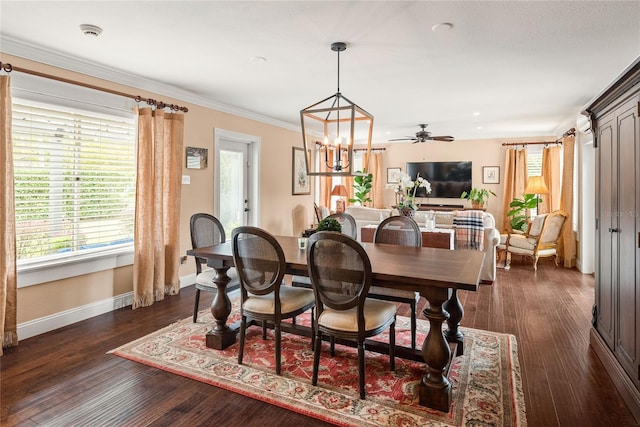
393	175
299	177
491	174
197	158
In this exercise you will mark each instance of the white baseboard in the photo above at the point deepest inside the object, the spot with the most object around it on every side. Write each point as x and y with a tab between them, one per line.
64	318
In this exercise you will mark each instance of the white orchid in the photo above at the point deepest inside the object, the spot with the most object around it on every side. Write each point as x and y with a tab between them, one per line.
406	189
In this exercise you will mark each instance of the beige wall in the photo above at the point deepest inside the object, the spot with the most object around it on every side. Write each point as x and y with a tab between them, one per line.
280	212
482	152
277	205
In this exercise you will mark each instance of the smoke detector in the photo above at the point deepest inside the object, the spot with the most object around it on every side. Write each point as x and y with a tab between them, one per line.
90	30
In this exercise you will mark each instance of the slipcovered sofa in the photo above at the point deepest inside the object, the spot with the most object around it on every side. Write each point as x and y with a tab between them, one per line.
372	216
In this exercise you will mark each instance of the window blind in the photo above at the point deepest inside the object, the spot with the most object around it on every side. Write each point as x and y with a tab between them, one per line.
75	174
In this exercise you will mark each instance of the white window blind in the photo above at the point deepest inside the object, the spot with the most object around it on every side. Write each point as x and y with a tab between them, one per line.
75	174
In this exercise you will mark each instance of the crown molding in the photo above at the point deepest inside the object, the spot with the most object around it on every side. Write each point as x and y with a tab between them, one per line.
62	60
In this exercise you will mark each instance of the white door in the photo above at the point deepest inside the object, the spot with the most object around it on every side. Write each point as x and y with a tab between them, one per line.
234	180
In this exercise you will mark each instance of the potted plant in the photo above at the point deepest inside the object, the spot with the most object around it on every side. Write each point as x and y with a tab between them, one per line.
519	212
477	196
362	188
329	224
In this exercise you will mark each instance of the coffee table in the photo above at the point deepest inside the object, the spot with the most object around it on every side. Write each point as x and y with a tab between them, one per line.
436	238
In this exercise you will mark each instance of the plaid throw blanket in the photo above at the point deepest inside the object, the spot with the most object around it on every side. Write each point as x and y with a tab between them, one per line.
469	230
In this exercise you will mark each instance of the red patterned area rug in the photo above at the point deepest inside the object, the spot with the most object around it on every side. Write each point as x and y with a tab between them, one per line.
486	382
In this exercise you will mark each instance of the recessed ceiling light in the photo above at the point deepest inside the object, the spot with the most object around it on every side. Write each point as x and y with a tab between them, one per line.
476	113
479	127
442	27
90	30
258	59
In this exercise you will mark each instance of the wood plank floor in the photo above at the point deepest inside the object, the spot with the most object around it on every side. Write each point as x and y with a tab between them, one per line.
65	377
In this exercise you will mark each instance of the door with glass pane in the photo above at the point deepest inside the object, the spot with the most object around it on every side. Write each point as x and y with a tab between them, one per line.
231	184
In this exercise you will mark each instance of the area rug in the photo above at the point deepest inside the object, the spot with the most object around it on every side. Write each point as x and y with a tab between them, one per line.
486	382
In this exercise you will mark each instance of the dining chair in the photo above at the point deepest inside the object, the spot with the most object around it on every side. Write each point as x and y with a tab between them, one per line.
207	230
540	241
261	265
341	285
347	222
403	231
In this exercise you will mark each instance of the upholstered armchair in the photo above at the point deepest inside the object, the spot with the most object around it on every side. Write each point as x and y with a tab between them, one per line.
541	240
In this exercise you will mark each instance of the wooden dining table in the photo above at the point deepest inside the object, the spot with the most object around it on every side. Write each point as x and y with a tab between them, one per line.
436	273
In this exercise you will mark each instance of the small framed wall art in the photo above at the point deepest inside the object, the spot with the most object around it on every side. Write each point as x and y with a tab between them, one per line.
491	174
197	158
299	177
393	175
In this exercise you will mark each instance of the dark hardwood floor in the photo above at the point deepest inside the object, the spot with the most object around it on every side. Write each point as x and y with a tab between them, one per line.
65	377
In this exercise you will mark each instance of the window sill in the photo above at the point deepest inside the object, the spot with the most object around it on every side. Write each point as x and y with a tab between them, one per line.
78	265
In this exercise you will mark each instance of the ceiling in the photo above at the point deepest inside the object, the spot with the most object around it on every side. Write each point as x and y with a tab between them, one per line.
504	69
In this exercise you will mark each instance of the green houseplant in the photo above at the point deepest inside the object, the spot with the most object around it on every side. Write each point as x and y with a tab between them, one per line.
329	224
477	196
519	211
362	187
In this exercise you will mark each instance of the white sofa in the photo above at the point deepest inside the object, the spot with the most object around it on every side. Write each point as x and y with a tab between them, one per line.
372	216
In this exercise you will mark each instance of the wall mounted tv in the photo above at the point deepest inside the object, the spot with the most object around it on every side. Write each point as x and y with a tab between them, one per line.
448	179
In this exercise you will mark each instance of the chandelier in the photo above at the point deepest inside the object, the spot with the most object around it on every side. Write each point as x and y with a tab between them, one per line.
341	124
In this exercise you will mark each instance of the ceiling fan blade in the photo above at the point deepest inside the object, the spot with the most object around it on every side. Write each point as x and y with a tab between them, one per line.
443	138
403	139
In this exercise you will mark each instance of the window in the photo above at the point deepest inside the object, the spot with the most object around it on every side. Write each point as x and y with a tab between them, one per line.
75	175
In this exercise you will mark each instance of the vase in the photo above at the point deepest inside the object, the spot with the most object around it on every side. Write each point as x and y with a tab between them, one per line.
477	205
410	212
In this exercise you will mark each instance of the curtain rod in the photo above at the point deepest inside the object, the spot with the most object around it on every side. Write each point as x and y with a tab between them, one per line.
570	132
158	104
515	144
372	149
355	149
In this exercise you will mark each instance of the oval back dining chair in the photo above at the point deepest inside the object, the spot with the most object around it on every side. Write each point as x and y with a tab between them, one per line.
341	284
261	266
347	222
404	231
207	230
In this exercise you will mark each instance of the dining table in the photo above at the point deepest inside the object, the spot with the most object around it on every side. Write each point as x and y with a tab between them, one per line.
436	273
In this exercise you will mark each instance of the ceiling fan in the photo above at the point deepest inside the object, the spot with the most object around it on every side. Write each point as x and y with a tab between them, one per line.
423	135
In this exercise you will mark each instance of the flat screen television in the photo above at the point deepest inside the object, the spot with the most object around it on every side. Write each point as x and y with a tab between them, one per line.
448	179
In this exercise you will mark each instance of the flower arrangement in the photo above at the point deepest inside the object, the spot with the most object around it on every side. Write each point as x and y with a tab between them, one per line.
406	190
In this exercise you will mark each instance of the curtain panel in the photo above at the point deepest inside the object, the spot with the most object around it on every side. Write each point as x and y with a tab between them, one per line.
551	173
515	180
8	277
374	163
157	218
567	245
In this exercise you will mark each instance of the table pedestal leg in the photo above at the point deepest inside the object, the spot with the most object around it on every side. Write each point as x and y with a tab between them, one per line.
455	310
435	389
221	336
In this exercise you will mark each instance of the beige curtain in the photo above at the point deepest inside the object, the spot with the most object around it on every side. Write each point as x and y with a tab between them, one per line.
158	192
374	162
326	184
551	173
8	291
515	180
567	245
348	183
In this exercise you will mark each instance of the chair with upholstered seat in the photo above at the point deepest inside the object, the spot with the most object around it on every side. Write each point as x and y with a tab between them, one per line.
261	266
341	285
206	230
348	224
540	241
404	231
